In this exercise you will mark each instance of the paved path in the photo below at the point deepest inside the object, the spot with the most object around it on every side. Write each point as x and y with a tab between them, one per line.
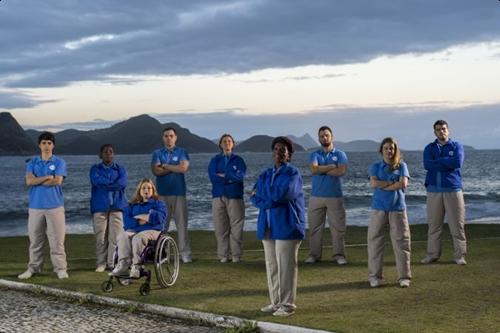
26	312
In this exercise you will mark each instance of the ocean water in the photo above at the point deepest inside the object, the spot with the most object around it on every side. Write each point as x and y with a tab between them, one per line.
481	175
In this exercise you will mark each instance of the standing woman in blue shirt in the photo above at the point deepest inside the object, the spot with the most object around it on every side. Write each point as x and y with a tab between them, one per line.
280	225
389	177
227	171
107	202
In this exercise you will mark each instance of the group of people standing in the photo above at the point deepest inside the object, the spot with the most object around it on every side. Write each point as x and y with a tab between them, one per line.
278	193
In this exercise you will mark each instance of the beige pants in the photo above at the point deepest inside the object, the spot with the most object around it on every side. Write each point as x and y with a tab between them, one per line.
282	271
319	208
228	217
131	245
50	222
107	226
177	208
451	203
400	238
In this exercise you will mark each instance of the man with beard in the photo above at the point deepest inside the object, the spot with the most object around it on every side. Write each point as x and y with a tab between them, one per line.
327	165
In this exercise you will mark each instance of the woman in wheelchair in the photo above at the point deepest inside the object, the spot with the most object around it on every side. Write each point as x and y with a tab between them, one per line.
144	219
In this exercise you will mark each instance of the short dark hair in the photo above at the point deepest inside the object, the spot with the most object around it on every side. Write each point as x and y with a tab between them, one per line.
170	129
104	146
286	141
323	128
439	122
48	136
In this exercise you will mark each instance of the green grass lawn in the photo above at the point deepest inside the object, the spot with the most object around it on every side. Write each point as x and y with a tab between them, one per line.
443	297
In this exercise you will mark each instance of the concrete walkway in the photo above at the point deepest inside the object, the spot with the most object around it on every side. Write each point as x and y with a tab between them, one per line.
28	312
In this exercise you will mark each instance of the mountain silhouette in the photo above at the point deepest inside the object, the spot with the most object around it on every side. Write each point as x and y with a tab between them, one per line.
260	144
137	135
13	139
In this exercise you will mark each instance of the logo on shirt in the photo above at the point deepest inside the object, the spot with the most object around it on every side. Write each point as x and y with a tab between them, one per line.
52	167
335	158
234	167
450	153
175	158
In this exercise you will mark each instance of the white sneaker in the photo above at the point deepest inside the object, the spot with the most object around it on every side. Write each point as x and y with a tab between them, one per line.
187	259
404	283
310	260
284	311
62	275
26	275
340	260
135	272
375	282
270	308
224	260
461	261
100	268
236	259
120	269
428	260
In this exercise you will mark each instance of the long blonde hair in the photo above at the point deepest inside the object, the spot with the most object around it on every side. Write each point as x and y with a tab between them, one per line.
137	194
397	158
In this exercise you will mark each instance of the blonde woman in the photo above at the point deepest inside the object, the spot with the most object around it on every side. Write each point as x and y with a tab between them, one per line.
144	219
389	178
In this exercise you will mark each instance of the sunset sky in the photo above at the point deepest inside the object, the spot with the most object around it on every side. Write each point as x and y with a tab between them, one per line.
369	69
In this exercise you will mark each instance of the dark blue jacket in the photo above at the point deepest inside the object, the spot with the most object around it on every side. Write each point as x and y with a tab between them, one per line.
281	204
157	216
446	159
108	187
230	186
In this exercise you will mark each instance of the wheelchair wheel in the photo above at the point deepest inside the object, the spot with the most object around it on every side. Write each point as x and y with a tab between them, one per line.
144	289
107	286
166	261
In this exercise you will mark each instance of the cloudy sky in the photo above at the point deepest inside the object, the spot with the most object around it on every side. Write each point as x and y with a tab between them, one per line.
369	69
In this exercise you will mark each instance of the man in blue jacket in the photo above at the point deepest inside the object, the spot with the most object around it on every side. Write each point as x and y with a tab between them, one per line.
107	202
443	160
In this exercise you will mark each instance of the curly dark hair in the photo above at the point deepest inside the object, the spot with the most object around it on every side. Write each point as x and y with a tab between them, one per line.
286	141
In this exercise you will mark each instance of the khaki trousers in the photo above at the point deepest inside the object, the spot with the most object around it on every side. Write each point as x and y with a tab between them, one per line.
451	203
50	222
131	245
228	217
400	238
319	208
107	226
282	270
177	208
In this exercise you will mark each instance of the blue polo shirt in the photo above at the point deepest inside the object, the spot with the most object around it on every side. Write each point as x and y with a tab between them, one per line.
172	183
42	196
388	200
324	185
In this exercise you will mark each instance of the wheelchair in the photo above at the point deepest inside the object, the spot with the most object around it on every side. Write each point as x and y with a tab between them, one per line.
163	253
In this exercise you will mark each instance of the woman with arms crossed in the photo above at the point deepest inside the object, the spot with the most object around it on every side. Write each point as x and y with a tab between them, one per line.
280	225
227	171
388	178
